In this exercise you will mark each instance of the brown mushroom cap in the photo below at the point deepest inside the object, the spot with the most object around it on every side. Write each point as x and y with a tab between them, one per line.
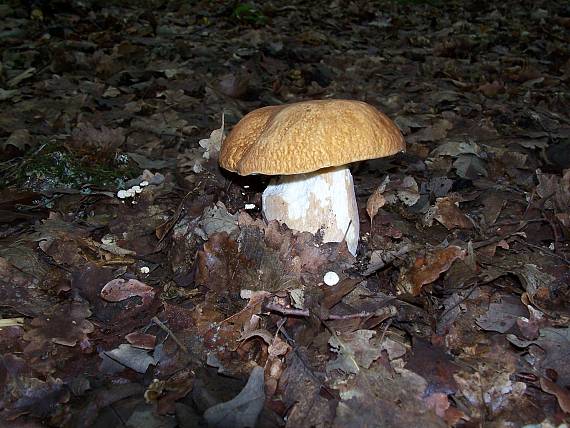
307	136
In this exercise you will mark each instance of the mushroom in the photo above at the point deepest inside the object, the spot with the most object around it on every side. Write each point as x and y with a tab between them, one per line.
309	145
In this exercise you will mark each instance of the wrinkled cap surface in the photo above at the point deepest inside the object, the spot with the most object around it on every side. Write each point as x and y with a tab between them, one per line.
307	136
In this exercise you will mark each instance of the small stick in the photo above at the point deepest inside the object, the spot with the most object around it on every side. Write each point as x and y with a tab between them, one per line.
384	312
362	314
170	333
272	307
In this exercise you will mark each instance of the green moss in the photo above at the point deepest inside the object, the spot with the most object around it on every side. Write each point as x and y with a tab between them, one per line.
53	167
249	14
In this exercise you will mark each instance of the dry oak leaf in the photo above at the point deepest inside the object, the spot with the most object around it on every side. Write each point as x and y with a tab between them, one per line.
244	409
118	290
354	351
374	203
427	269
449	214
65	324
561	394
220	264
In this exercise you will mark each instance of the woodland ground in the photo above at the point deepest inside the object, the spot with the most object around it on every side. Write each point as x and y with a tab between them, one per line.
169	304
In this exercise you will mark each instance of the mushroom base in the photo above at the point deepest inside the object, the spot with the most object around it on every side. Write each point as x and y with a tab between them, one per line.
321	200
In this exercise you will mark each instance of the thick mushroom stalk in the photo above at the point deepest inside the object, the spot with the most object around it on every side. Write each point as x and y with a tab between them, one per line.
304	143
321	200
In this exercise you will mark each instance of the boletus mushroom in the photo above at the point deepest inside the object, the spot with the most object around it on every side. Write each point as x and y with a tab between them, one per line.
309	146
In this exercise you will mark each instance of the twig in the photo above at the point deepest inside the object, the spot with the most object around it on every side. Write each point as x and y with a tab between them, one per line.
362	314
305	364
170	333
544	250
522	224
171	222
387	311
554	232
272	307
388	324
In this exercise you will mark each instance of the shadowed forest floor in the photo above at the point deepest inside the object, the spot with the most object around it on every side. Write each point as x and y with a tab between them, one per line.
141	287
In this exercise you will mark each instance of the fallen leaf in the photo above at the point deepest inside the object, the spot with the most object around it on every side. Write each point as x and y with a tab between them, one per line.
434	365
35	397
491	89
368	400
118	290
470	167
435	132
217	219
244	409
374	203
131	357
213	144
561	394
141	340
454	148
90	141
555	342
21	139
234	85
427	269
449	214
65	324
502	316
354	351
310	401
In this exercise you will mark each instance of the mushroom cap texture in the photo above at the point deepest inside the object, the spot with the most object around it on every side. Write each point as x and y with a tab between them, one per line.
307	136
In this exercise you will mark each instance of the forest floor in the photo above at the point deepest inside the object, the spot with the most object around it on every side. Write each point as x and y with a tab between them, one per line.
137	290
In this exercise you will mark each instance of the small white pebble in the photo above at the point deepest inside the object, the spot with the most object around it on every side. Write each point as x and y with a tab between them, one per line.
249	206
137	189
331	278
130	193
145	269
143	183
246	187
122	194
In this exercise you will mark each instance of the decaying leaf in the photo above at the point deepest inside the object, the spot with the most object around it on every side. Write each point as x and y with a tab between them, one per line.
427	269
311	402
374	203
213	144
470	167
128	356
119	289
89	140
33	396
561	394
392	191
243	410
65	324
367	399
555	342
219	264
20	138
217	219
449	214
141	340
265	257
354	351
502	316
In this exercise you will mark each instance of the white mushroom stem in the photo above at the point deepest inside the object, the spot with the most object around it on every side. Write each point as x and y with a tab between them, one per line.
321	200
